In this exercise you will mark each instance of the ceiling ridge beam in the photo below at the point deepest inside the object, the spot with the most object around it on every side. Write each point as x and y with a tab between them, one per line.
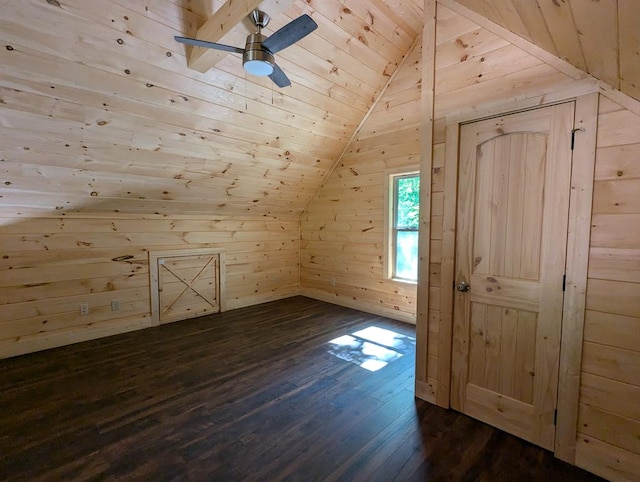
229	25
352	138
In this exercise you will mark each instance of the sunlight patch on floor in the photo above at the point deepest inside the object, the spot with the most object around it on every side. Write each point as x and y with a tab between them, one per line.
372	348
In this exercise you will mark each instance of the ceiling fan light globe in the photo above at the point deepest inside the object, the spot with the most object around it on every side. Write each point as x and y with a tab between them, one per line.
259	68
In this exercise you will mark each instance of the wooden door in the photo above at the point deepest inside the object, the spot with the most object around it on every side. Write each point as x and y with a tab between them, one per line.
513	201
187	285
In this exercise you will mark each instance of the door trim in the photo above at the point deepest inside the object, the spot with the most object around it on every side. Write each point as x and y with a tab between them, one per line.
154	256
577	264
579	229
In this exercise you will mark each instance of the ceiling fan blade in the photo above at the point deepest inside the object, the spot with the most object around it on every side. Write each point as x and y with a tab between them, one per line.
279	77
290	34
208	45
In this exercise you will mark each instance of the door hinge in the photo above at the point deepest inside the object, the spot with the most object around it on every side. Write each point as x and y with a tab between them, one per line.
573	135
555	417
564	282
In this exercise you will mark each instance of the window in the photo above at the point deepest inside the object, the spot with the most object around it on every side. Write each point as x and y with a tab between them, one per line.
404	207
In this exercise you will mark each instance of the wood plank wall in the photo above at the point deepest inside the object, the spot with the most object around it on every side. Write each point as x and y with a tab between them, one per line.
599	37
478	73
609	412
609	421
342	229
50	265
111	146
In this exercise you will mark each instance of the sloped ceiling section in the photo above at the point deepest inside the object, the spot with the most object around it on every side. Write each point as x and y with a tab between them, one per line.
100	113
600	37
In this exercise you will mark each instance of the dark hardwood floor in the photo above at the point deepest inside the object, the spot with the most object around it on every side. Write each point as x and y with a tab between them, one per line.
251	394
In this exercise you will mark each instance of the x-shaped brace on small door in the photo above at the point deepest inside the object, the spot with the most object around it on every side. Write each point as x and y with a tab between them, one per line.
188	285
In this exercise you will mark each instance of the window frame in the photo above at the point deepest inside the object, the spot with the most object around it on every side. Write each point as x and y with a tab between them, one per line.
391	195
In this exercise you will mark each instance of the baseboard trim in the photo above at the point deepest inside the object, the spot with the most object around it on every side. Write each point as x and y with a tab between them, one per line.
358	305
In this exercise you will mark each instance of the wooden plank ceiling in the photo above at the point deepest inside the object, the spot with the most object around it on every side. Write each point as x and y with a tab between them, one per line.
100	113
601	37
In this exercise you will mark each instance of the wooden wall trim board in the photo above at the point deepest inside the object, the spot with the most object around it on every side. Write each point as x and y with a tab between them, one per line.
44	341
577	264
621	98
426	390
358	305
426	164
556	95
447	274
299	246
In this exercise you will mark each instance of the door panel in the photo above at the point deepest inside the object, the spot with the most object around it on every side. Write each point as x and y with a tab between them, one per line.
513	200
500	349
510	167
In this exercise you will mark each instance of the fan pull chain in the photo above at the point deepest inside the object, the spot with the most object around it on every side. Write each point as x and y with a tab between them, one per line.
246	92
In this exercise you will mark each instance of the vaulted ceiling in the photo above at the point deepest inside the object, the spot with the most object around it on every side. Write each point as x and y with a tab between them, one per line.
99	111
601	37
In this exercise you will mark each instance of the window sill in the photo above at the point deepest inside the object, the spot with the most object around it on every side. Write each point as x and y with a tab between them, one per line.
406	281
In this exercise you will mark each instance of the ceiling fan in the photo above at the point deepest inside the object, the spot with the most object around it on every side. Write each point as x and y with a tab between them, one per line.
258	53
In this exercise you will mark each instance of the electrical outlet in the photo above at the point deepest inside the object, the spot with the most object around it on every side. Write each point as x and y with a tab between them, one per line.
115	305
84	308
332	281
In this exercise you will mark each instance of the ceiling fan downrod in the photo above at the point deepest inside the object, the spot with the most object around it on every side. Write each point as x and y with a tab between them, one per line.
260	19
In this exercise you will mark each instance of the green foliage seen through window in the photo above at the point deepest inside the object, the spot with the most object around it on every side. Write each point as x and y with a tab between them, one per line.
408	202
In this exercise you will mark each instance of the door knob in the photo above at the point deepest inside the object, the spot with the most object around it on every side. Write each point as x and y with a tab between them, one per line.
463	286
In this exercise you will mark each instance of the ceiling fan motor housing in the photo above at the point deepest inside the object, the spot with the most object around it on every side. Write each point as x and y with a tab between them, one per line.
258	54
256	59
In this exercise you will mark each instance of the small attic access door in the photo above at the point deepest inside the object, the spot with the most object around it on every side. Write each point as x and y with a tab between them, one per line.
513	204
185	283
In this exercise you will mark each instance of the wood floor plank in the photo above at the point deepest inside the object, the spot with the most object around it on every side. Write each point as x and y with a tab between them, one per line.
249	394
